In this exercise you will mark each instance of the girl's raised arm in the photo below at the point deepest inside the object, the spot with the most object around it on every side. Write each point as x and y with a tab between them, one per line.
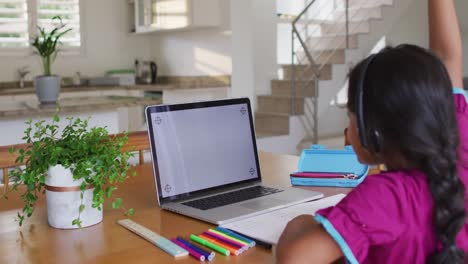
445	39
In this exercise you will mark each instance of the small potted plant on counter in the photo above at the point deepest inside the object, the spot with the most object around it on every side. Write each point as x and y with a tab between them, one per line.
46	45
76	169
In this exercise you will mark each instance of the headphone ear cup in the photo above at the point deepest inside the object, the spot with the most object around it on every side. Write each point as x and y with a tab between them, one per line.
376	141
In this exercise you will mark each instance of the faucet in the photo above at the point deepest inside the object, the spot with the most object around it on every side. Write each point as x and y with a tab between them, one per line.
22	72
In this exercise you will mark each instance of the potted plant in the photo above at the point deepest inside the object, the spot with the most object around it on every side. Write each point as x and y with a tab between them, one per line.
48	85
76	169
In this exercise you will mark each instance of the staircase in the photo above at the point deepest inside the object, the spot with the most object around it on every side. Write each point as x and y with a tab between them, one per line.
334	34
273	111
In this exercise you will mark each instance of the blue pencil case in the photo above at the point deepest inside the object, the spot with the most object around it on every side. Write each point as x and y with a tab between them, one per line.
332	168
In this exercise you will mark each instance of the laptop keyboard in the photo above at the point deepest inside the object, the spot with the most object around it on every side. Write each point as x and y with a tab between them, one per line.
231	197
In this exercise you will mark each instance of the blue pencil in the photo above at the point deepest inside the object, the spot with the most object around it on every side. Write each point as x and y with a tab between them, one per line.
235	235
209	256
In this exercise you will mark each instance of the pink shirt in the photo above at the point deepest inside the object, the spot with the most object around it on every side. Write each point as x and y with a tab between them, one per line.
388	217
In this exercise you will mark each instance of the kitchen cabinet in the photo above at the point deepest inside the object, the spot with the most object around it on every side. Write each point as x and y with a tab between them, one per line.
6	98
164	15
114	92
64	95
24	97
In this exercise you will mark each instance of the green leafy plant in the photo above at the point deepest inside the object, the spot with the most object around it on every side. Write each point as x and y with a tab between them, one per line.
94	156
46	44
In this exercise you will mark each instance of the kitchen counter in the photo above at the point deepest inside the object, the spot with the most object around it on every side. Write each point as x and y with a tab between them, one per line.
31	108
119	108
66	89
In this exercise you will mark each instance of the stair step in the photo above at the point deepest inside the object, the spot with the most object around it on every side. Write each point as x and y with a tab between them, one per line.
284	88
327	56
339	28
279	104
304	144
339	5
305	71
357	14
271	123
330	56
270	134
332	42
336	142
363	3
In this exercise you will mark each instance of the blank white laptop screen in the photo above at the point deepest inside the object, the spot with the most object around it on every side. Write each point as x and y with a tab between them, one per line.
202	148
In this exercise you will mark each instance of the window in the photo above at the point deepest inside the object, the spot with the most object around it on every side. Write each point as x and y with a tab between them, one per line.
19	20
13	23
68	10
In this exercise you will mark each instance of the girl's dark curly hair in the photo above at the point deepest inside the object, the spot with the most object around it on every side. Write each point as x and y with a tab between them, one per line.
408	99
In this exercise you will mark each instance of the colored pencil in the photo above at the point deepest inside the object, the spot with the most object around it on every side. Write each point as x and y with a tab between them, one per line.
229	232
205	243
192	252
225	240
208	255
234	250
229	237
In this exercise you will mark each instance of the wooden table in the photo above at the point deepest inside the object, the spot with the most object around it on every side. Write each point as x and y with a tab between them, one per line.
107	242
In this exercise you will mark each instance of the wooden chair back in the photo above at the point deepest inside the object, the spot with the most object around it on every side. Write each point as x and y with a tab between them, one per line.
137	142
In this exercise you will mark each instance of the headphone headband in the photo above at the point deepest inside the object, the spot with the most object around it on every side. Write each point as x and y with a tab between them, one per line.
360	102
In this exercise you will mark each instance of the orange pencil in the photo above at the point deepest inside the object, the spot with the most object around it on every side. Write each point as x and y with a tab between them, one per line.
234	250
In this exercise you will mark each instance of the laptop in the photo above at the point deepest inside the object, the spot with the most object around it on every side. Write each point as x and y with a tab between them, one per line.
206	164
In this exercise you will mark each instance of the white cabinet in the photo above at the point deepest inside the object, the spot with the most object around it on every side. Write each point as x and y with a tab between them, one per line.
163	15
5	99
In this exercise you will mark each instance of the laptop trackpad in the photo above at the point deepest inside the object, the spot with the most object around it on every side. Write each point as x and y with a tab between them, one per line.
262	203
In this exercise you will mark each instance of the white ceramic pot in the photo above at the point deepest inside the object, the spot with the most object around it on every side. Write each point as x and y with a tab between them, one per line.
47	88
63	200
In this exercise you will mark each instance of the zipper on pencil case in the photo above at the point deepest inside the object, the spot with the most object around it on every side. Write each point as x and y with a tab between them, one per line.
322	175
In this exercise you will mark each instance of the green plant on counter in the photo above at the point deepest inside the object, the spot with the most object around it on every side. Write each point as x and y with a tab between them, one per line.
46	44
93	155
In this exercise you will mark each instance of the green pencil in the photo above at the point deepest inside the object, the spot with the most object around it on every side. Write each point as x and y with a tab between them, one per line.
205	243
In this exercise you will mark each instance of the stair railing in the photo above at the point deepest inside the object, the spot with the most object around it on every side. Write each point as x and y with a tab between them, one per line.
307	64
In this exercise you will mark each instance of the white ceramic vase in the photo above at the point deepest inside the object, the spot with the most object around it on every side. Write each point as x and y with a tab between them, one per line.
47	88
63	200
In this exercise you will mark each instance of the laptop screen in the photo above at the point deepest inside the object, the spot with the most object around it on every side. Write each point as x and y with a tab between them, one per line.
201	146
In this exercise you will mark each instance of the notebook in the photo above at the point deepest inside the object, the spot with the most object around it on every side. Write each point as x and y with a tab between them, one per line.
268	227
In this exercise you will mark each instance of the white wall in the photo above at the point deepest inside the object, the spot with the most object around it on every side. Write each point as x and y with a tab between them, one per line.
413	27
107	45
265	43
192	53
196	51
462	8
254	63
243	66
244	46
465	54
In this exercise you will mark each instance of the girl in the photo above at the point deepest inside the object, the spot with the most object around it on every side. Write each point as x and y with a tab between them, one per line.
403	114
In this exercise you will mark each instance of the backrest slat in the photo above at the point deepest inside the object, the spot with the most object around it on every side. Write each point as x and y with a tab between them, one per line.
5	176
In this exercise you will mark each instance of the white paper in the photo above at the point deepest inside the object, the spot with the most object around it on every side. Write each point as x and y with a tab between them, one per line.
269	226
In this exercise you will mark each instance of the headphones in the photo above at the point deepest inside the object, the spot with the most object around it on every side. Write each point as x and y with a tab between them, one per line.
370	137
